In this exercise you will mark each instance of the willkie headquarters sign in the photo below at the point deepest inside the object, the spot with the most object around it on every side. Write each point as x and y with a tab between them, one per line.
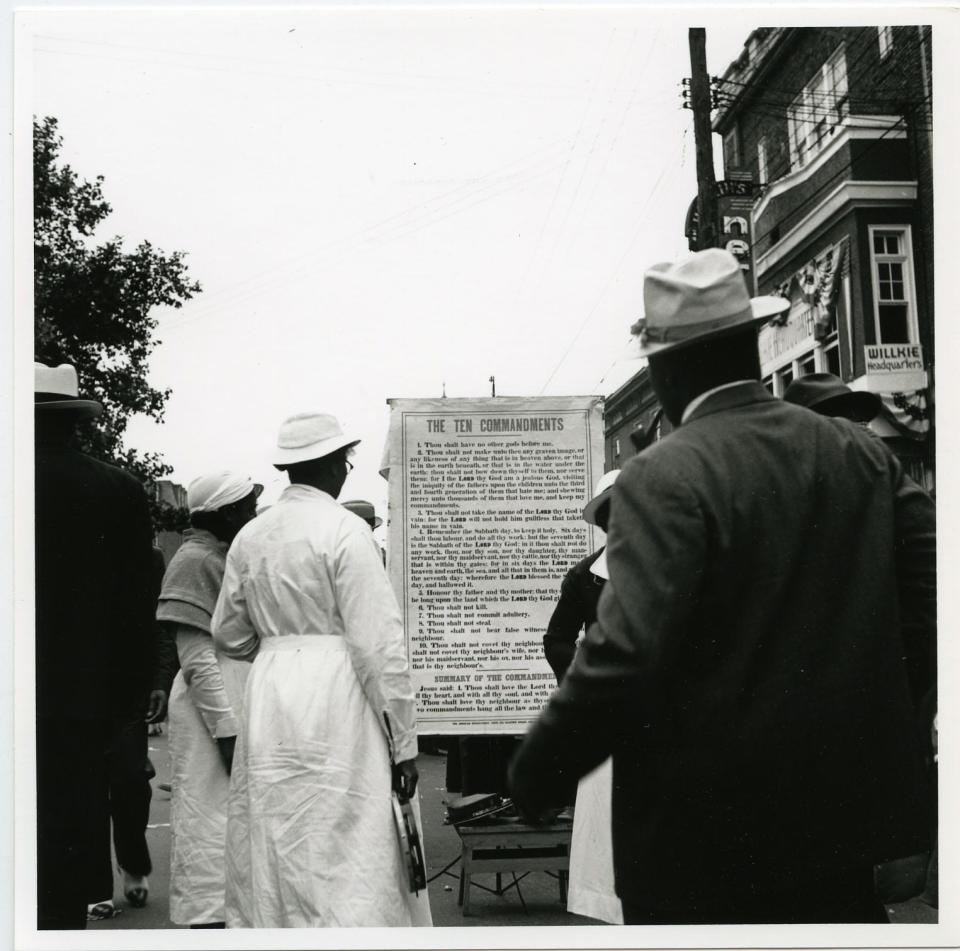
894	367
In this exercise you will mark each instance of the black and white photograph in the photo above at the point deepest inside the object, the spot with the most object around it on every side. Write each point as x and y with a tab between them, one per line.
485	484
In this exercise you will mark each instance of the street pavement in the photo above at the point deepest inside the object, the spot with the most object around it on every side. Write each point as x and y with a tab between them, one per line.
540	903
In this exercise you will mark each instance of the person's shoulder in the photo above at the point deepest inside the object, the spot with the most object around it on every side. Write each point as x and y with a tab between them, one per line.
120	477
667	460
122	485
196	556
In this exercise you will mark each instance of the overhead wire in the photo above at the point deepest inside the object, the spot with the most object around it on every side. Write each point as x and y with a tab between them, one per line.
641	223
641	75
583	171
778	110
809	199
528	92
418	212
553	200
205	55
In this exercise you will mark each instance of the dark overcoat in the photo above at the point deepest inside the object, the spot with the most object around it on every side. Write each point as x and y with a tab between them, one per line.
576	609
769	620
95	598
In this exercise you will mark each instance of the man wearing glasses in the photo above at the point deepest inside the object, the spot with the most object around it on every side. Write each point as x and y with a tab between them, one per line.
329	703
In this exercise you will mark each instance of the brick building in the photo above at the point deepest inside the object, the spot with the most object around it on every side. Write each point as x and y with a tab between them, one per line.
833	127
174	495
630	413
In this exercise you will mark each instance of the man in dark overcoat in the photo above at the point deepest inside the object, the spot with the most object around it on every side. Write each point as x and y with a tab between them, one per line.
94	634
767	628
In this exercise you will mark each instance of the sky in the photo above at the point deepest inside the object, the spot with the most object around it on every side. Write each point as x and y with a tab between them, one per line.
379	202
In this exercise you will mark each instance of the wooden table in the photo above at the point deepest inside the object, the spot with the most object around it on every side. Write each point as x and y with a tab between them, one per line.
510	845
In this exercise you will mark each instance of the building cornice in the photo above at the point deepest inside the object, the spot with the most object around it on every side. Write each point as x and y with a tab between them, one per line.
847	193
854	127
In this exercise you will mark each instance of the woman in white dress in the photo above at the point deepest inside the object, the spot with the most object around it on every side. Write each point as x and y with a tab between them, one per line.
206	699
311	840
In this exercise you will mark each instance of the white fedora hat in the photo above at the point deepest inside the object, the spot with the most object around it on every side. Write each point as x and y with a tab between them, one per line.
55	389
703	295
309	436
601	495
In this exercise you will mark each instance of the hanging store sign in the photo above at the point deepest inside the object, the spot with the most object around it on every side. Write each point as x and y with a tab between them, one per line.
894	367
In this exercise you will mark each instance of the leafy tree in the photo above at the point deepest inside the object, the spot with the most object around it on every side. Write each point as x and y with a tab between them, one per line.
94	306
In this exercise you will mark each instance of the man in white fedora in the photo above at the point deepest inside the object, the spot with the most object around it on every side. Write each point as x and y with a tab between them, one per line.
94	654
329	704
768	624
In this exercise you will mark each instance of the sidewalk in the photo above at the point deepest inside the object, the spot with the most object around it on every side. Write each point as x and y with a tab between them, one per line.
441	846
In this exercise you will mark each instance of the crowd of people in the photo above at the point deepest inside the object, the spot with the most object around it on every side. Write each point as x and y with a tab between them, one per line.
743	725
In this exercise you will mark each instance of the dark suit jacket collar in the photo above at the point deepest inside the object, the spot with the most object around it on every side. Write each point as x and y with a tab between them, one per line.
731	398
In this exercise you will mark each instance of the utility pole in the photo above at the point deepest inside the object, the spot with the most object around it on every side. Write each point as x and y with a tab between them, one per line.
493	386
707	236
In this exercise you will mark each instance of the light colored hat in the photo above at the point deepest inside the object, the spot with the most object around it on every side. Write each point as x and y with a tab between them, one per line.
309	436
56	389
828	395
701	296
208	493
602	494
365	510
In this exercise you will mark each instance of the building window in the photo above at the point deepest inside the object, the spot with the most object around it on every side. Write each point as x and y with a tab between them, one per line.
782	379
731	149
831	359
885	36
768	382
820	108
806	366
893	299
616	448
762	175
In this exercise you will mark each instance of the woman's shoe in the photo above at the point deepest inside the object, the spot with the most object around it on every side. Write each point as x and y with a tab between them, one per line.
102	910
136	888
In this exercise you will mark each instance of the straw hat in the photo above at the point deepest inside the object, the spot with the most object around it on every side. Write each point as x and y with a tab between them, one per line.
55	389
702	296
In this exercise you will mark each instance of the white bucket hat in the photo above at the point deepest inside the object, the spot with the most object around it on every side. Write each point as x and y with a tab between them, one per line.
309	436
704	295
601	495
208	493
56	389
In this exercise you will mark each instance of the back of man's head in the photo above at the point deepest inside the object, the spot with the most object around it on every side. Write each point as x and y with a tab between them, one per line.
681	374
54	429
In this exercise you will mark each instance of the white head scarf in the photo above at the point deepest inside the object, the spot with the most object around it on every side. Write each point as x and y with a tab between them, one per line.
213	491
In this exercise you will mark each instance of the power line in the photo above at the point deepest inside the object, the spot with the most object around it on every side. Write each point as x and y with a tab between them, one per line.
774	109
563	174
420	211
820	189
640	225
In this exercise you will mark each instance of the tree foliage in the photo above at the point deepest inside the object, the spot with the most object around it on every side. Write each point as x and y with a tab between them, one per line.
95	304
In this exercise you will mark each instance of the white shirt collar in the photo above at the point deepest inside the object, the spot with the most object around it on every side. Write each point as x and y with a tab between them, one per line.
697	400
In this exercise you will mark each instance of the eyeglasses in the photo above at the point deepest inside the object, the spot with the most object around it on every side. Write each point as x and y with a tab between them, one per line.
349	465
